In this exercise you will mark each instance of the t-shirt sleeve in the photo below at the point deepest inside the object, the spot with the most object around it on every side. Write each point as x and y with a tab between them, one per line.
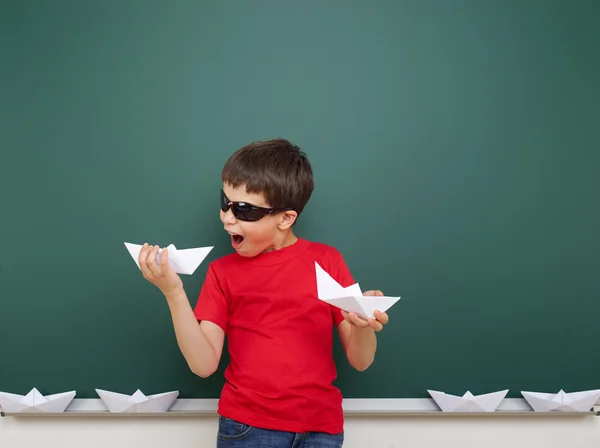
341	274
212	304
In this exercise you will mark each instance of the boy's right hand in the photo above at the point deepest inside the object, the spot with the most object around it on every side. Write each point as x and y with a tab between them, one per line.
161	275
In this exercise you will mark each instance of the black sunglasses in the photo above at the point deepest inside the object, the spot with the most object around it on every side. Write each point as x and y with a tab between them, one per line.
247	212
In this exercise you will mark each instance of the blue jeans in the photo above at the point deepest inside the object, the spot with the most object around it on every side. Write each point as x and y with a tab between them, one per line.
233	434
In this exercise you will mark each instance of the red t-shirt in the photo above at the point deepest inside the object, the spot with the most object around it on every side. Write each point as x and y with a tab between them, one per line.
279	336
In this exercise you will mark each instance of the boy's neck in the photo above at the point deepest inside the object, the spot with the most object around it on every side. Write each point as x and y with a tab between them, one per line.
283	240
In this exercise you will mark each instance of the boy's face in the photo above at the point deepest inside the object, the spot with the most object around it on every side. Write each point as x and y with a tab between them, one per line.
251	238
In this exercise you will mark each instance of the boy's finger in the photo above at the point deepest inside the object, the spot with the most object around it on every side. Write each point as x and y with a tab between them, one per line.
142	259
372	293
164	261
375	325
360	323
142	254
381	317
151	261
348	317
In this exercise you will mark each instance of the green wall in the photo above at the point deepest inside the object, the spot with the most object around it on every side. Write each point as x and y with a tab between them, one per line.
455	146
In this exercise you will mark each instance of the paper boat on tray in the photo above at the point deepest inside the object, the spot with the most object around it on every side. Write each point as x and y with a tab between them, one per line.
34	402
350	299
468	402
138	402
562	402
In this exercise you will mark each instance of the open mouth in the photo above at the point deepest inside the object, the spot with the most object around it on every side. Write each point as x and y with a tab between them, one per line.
236	240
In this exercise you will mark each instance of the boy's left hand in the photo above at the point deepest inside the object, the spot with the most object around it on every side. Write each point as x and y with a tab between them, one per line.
376	324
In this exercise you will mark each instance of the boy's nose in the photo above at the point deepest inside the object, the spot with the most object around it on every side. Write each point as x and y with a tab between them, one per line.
228	217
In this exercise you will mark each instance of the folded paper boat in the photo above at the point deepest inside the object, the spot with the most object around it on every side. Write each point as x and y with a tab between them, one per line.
562	402
350	299
468	402
35	402
138	402
182	261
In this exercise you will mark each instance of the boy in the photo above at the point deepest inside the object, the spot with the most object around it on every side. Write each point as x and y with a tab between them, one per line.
278	390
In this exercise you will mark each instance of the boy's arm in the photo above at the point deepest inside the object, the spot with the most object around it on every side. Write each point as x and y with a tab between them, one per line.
201	345
358	336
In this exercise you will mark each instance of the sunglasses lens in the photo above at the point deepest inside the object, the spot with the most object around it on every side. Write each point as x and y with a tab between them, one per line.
224	202
241	210
246	212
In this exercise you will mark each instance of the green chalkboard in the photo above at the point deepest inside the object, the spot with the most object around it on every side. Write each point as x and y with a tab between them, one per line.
467	131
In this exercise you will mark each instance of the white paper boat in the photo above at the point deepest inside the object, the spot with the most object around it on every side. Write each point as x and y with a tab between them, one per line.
138	402
184	261
35	402
562	402
468	402
351	298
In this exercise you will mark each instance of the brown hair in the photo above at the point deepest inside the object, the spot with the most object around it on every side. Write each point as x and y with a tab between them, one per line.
275	168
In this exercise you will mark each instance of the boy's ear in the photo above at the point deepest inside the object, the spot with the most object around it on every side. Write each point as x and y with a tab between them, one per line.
287	219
